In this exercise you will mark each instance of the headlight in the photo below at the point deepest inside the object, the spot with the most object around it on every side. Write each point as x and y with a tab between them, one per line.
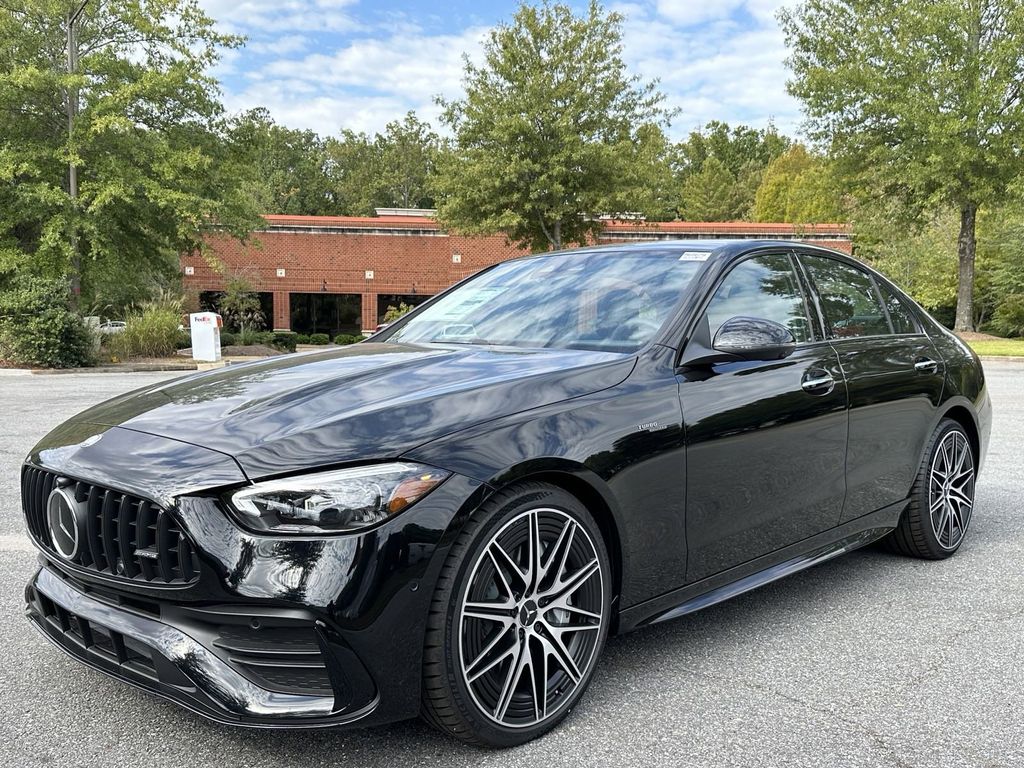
335	502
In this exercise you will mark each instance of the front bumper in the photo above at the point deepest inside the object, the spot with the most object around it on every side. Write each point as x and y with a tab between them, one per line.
273	631
165	659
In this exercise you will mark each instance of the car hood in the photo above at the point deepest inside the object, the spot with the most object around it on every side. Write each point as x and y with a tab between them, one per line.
364	402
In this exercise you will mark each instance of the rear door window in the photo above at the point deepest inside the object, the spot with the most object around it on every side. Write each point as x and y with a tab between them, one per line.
849	300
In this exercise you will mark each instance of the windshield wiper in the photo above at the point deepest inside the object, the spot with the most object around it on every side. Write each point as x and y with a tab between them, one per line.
477	342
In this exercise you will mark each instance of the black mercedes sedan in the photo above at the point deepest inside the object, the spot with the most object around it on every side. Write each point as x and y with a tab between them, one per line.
450	518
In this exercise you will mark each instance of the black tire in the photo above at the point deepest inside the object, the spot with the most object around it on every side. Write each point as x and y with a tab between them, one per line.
451	703
916	534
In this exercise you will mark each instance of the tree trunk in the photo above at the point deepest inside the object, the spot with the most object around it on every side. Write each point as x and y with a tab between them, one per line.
966	246
75	268
556	236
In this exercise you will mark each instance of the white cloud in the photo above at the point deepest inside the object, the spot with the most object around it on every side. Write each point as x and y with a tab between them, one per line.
328	64
325	114
688	13
731	68
363	84
410	67
280	46
277	16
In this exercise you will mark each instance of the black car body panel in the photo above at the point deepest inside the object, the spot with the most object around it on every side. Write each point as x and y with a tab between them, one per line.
705	482
362	402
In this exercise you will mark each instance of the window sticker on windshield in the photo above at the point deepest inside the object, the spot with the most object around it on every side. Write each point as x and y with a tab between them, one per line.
695	256
467	304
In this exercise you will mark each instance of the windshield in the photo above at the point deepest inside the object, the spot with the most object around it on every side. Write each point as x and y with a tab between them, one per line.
600	300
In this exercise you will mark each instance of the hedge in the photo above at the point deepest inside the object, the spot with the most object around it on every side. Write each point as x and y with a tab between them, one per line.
38	328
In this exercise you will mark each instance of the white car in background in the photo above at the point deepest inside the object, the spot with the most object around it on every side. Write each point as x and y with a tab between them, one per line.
113	326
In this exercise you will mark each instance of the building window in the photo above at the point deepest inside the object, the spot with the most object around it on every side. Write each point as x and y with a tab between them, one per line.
330	313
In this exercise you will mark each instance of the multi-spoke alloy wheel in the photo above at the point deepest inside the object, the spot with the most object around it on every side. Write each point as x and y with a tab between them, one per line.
531	617
942	499
520	616
951	489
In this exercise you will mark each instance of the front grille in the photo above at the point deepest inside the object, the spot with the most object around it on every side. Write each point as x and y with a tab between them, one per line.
125	536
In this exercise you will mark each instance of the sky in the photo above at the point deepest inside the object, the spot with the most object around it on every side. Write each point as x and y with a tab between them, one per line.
328	65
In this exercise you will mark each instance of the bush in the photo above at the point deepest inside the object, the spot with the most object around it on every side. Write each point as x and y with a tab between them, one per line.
346	338
184	339
38	328
248	337
302	338
152	330
319	339
1008	319
285	341
392	313
227	339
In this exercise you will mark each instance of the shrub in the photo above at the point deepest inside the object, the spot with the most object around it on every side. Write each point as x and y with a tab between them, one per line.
249	337
227	339
152	330
302	338
346	338
184	339
392	313
240	305
319	339
285	341
38	328
1009	316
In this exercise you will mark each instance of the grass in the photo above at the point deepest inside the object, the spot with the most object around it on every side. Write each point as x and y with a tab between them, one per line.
998	347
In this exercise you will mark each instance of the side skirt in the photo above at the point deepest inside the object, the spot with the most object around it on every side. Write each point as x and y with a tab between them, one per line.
764	570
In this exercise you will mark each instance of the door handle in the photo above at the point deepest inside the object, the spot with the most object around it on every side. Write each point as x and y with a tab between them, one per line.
926	365
818	383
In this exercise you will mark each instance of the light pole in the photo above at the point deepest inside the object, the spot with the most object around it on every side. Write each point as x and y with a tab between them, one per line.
72	111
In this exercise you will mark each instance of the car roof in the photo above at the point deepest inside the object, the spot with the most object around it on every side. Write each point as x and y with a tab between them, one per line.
717	249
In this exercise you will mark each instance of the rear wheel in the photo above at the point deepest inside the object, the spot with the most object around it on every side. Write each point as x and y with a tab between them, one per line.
935	522
519	617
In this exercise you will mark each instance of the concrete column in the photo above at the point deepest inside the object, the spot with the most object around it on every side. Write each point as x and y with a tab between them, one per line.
282	311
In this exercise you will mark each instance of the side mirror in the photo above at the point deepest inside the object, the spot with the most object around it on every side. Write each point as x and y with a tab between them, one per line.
754	338
739	338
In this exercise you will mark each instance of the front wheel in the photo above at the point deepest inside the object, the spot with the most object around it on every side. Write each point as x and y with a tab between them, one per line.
519	617
941	503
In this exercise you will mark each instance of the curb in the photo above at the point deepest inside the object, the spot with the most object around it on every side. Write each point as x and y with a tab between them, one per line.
1001	359
110	369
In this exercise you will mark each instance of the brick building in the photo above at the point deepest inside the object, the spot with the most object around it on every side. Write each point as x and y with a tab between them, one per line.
338	274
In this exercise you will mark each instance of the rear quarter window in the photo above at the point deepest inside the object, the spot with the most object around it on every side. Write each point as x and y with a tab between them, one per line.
899	313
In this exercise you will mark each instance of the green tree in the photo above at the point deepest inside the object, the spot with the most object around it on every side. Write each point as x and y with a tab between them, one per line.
550	132
735	147
740	152
800	188
710	194
407	152
393	169
919	100
919	256
353	166
286	168
240	305
999	290
146	140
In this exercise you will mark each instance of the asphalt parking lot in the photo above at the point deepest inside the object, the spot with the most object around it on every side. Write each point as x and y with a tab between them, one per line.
867	660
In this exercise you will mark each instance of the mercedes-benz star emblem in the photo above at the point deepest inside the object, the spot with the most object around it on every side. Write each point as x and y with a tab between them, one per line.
63	519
